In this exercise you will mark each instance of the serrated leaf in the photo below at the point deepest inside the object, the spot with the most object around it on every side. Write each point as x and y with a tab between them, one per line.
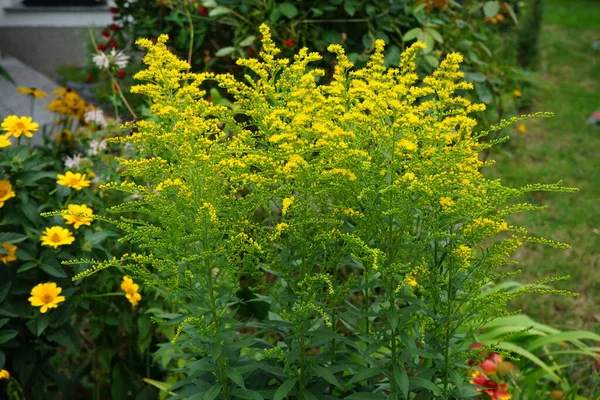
288	9
284	389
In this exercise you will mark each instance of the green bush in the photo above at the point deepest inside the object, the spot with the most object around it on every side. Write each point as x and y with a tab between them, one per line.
318	241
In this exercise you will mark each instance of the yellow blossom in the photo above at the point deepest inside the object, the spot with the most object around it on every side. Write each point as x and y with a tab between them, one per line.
286	204
517	93
131	290
56	236
10	255
446	202
75	181
17	126
4	374
522	128
46	295
4	140
78	220
36	93
6	192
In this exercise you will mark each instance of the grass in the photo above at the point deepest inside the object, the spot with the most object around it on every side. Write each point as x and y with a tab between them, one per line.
564	148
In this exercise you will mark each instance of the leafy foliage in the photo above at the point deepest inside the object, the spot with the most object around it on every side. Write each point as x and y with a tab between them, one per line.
318	240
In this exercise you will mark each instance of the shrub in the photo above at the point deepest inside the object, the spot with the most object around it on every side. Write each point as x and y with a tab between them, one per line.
318	240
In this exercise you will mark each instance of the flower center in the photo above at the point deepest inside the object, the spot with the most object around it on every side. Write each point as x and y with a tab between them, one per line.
47	298
3	192
19	126
55	238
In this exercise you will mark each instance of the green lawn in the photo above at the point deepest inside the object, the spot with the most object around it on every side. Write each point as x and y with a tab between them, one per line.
563	147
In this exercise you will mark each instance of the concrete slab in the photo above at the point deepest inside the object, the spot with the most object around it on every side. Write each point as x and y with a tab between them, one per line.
13	102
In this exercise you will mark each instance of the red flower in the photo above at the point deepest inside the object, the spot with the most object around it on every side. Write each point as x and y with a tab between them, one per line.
209	98
250	51
89	78
289	43
114	27
121	74
203	11
105	33
102	47
488	367
114	44
114	10
496	391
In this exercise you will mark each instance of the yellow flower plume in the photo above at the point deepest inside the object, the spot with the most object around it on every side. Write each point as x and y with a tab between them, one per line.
56	236
46	295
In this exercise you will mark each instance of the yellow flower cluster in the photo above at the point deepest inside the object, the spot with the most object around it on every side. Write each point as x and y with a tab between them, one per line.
68	103
131	290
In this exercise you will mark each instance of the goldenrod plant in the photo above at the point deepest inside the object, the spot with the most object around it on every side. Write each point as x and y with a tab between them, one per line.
318	241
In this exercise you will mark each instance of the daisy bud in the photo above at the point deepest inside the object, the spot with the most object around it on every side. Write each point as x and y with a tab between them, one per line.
102	47
505	368
114	27
203	11
488	367
105	33
89	78
289	43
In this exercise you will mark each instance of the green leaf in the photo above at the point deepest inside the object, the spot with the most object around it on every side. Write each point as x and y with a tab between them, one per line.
12	237
27	266
38	325
491	8
248	41
288	9
213	392
365	396
417	381
236	377
4	291
562	337
432	60
401	379
247	394
3	322
53	270
436	35
162	386
349	8
326	374
412	34
7	334
475	77
532	357
483	93
222	52
219	10
5	75
284	389
366	374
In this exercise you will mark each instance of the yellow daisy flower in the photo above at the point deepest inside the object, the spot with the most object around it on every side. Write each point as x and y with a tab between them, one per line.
10	256
4	374
6	192
131	290
517	93
56	236
17	126
75	181
46	295
4	141
78	220
38	94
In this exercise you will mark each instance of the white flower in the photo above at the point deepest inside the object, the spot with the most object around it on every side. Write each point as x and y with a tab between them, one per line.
101	60
96	147
95	115
73	162
120	58
104	61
